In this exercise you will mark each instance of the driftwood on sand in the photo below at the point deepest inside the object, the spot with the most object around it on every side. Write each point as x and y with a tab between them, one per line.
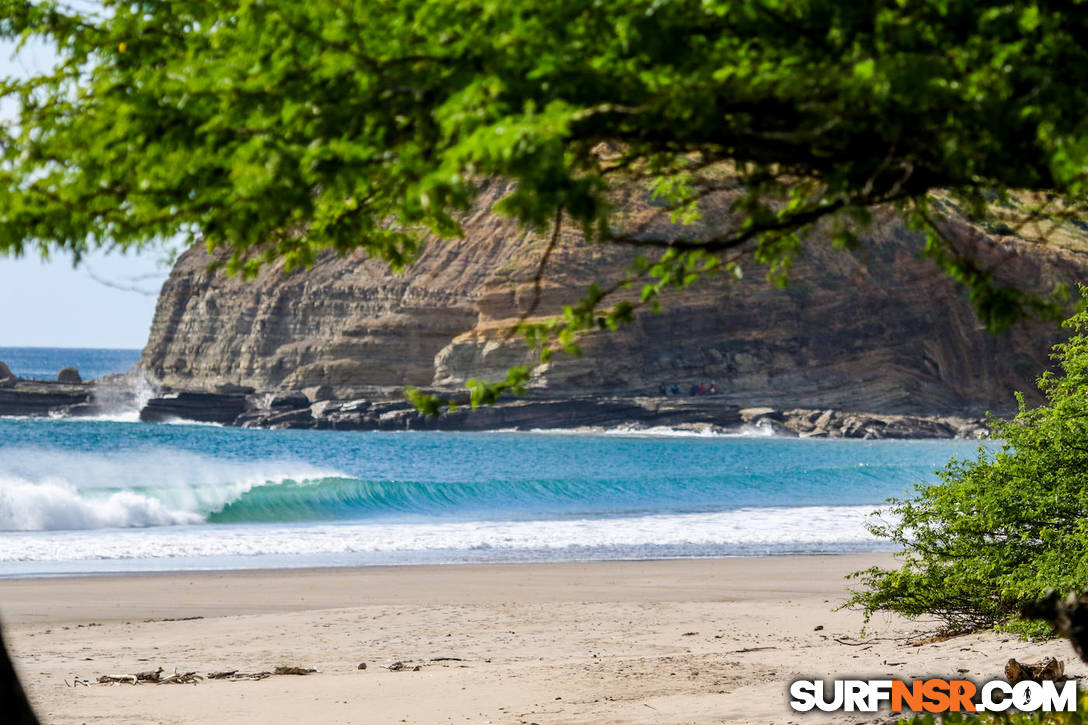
285	670
152	676
120	679
192	678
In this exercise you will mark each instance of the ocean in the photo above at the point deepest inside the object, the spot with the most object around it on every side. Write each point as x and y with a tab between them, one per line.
43	363
115	495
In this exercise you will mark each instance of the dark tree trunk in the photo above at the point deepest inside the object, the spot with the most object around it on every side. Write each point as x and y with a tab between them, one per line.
14	707
1068	617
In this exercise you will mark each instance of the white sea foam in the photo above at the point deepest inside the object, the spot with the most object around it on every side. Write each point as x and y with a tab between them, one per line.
46	490
814	527
121	399
696	430
52	505
116	416
761	429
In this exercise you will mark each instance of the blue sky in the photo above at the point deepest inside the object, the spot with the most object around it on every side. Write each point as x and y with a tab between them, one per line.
107	302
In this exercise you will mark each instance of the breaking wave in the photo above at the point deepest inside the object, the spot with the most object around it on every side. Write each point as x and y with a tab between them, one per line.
54	490
739	532
50	490
89	496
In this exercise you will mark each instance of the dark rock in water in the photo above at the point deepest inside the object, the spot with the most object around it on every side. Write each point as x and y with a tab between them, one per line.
841	424
69	375
53	397
42	397
80	409
276	418
5	371
593	411
520	414
702	414
201	407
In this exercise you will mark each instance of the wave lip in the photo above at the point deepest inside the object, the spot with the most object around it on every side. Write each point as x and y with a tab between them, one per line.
56	490
51	506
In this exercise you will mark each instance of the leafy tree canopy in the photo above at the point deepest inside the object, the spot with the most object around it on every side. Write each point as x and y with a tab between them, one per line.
274	130
1000	531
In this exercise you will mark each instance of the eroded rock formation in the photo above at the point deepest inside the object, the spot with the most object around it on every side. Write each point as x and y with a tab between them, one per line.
877	330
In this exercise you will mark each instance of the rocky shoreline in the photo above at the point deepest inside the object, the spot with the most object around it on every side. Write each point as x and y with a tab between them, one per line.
697	414
872	344
385	412
55	398
44	397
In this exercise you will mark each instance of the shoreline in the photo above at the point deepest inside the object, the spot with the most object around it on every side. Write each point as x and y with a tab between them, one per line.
25	595
134	396
332	569
694	430
692	641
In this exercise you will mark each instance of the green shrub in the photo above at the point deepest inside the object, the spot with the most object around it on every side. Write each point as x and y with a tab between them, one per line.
1001	530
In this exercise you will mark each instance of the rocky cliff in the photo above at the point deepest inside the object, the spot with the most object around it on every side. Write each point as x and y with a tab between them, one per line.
876	330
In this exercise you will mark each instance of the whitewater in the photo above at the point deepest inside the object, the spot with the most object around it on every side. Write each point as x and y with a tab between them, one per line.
87	496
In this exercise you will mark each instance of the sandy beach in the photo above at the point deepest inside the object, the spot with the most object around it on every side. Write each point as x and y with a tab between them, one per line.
694	641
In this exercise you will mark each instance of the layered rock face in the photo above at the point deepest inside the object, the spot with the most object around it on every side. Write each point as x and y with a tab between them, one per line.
347	322
874	330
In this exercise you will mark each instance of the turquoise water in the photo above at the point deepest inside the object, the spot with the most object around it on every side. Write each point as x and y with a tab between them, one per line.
43	363
86	496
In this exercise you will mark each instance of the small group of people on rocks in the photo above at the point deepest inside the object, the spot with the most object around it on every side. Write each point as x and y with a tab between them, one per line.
696	389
